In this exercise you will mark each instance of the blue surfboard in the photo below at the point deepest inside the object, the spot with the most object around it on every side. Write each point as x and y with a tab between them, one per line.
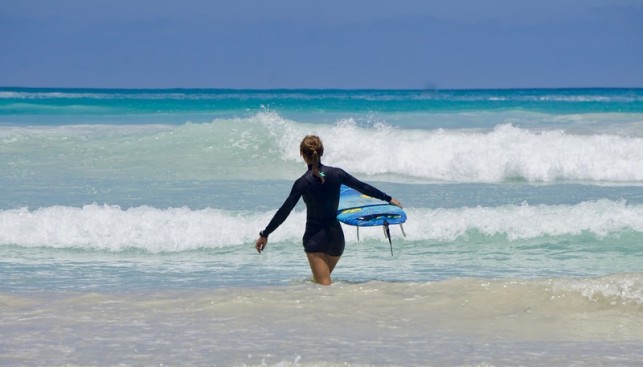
357	209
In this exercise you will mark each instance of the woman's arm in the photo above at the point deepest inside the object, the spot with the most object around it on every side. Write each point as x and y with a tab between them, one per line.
367	189
281	214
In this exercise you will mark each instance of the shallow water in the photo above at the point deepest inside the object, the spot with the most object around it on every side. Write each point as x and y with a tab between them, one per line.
452	322
127	222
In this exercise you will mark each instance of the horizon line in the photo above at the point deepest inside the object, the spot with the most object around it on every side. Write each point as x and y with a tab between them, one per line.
310	89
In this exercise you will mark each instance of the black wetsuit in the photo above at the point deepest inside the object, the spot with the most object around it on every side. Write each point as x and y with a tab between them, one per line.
323	231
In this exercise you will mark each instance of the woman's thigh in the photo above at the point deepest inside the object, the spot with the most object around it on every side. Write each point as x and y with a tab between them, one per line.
322	266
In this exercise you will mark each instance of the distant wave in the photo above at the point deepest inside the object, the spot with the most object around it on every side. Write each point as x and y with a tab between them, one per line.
120	95
505	153
265	146
111	228
467	155
605	95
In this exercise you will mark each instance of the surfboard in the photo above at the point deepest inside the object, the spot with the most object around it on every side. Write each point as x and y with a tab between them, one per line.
359	210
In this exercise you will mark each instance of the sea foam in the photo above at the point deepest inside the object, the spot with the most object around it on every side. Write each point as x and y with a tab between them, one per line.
505	153
266	146
109	227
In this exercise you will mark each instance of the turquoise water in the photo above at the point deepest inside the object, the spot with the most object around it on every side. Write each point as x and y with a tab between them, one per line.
127	222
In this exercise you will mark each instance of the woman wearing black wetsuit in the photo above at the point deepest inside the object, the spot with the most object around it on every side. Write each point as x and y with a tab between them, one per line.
320	186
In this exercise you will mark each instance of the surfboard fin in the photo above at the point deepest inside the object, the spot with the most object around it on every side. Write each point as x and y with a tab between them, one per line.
387	233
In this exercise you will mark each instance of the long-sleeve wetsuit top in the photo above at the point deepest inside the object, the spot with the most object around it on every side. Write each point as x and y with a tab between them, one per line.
322	200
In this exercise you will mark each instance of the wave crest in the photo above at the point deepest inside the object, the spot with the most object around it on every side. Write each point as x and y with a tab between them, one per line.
505	153
266	146
108	227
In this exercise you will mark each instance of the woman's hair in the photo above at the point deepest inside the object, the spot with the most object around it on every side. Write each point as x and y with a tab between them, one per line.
312	149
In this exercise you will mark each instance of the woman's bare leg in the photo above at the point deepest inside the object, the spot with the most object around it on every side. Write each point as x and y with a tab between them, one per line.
322	265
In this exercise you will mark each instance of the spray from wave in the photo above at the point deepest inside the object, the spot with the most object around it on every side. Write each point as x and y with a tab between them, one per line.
108	227
266	146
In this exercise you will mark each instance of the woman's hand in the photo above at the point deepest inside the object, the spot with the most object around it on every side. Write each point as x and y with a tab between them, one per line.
261	243
395	202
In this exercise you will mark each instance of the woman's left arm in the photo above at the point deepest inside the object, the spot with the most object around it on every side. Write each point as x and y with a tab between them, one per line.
369	190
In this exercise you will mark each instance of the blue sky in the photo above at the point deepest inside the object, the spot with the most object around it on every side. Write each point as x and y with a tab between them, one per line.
321	43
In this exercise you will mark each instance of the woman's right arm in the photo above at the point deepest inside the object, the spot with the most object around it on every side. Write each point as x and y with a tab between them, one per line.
281	214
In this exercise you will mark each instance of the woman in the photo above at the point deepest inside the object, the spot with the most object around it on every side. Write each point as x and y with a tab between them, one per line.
320	187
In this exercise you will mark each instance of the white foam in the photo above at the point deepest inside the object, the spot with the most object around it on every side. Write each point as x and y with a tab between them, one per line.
108	227
504	153
266	145
615	289
518	222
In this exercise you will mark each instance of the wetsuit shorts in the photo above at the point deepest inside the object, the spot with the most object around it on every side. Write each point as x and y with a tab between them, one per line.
326	238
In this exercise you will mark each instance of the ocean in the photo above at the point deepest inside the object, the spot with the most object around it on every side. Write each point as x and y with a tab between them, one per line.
128	220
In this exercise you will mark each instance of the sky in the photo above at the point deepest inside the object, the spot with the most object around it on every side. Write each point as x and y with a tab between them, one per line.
348	44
